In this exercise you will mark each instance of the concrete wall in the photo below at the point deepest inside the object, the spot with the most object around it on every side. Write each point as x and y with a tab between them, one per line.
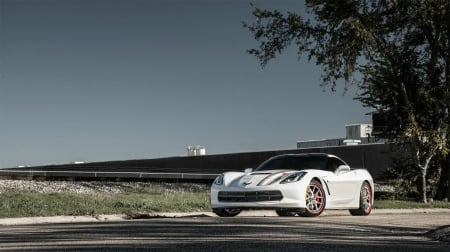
373	157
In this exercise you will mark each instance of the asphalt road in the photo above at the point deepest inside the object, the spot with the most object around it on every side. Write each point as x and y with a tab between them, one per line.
333	232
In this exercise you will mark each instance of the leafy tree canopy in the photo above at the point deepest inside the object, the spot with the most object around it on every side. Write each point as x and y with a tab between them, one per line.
395	51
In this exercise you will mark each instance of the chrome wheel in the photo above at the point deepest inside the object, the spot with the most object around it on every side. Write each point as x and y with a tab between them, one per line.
366	198
365	201
315	199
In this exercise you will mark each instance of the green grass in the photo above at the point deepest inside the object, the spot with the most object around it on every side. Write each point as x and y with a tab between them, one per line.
23	204
138	199
406	204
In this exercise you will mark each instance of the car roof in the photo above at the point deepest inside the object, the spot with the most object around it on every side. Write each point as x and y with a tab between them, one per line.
306	155
323	155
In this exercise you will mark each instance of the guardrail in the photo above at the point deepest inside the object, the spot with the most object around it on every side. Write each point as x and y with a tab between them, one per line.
160	176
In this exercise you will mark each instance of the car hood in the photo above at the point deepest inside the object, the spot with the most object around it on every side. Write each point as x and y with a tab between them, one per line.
254	178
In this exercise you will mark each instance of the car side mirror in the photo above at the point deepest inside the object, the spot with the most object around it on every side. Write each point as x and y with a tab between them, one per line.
342	169
248	170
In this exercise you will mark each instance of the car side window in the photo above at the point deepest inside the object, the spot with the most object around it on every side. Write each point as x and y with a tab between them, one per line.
333	164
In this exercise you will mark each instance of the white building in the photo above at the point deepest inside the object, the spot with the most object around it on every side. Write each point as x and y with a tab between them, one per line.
196	151
358	131
354	134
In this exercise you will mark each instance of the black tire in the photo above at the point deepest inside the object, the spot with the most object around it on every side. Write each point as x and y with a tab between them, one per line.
226	212
365	201
285	212
315	200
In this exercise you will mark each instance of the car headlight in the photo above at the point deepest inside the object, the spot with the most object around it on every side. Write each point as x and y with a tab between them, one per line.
219	180
293	177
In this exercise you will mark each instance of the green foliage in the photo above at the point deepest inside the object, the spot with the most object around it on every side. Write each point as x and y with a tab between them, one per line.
404	178
397	52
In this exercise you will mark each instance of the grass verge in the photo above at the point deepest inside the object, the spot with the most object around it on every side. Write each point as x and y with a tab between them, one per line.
27	204
134	201
406	204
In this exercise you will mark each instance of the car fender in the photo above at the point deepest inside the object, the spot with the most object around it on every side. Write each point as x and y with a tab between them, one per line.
319	175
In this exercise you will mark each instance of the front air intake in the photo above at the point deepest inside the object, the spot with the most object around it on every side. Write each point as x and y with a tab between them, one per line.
255	196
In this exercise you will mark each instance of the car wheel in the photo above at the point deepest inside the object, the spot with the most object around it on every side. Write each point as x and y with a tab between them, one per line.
365	201
226	212
285	212
315	199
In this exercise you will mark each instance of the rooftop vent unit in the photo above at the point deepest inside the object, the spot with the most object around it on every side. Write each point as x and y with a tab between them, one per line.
196	151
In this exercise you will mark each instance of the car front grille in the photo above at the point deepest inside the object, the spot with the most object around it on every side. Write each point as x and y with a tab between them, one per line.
250	196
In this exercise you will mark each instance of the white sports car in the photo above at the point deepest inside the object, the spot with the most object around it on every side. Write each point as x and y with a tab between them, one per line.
303	184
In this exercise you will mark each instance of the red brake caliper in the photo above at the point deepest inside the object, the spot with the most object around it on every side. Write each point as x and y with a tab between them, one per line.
317	196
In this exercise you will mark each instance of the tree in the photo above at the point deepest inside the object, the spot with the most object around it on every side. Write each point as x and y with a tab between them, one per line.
396	52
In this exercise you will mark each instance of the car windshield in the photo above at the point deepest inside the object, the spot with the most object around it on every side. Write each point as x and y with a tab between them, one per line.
294	163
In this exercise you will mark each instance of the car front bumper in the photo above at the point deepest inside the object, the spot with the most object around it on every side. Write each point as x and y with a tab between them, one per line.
290	196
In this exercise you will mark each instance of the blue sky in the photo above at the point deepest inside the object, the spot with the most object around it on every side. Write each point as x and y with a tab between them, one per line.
95	80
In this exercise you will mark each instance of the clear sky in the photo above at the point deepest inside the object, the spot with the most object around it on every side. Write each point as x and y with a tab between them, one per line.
97	80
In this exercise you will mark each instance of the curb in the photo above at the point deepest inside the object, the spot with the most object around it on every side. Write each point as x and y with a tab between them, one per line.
58	219
252	213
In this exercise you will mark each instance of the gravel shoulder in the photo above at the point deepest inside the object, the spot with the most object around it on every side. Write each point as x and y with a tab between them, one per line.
87	187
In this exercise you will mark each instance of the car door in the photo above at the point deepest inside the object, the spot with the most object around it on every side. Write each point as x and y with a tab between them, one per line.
341	183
